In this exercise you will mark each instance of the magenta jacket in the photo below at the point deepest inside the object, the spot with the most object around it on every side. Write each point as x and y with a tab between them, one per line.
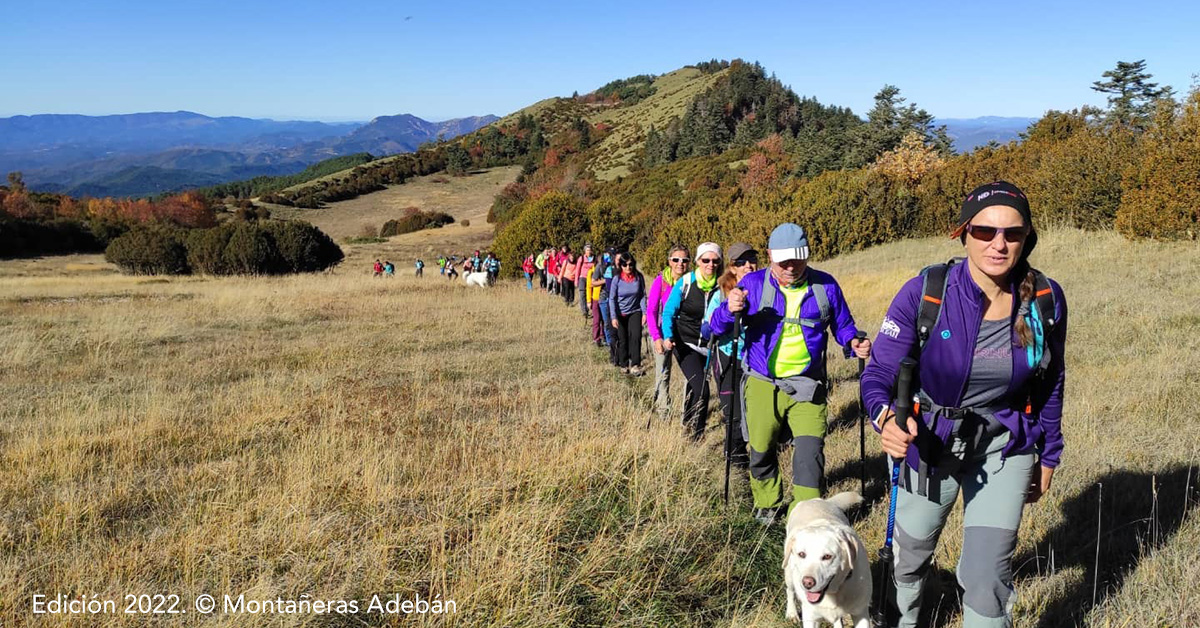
657	299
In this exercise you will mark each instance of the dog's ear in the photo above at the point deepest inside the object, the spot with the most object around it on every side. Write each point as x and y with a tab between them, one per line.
787	549
849	547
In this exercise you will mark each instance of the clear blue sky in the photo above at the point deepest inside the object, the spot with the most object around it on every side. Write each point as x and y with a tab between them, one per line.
354	60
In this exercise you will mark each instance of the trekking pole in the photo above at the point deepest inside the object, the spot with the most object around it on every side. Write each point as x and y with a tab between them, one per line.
904	406
735	408
862	422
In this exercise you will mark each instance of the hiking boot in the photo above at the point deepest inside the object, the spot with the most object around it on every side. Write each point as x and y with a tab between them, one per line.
637	371
767	516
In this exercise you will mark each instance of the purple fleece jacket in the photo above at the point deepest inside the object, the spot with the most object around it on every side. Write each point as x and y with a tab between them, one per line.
763	326
945	364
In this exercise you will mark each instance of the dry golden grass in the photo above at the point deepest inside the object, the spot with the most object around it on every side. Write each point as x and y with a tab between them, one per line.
339	436
675	91
467	198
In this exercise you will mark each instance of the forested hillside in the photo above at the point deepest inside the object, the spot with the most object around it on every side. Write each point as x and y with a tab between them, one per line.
747	153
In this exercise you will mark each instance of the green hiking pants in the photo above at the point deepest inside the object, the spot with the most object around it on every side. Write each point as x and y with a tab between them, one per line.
770	413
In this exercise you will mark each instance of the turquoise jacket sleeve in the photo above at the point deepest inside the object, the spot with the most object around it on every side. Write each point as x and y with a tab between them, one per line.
672	307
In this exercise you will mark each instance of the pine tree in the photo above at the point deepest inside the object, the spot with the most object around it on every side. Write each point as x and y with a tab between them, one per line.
1132	97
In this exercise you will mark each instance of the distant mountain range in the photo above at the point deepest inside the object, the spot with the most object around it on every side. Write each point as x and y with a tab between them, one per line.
971	133
150	153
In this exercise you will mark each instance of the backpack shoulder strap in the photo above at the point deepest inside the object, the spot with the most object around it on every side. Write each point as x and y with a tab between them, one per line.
822	297
929	311
767	296
1043	297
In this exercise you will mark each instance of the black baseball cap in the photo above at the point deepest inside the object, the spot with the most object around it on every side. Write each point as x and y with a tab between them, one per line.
997	193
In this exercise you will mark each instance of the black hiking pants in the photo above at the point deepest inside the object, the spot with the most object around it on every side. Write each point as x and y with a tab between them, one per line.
629	339
695	394
724	377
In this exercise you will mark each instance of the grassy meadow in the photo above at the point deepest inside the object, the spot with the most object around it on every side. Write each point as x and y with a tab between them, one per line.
340	436
465	198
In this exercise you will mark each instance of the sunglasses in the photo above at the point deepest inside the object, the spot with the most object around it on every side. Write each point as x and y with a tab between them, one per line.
742	262
985	233
709	260
680	260
626	264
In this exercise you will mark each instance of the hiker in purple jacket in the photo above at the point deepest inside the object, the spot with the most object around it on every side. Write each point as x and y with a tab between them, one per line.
990	381
789	311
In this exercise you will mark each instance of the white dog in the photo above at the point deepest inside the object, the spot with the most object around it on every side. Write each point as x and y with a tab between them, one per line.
475	279
825	564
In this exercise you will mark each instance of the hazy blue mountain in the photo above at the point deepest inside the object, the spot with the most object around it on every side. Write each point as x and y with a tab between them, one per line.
971	133
386	135
123	154
148	132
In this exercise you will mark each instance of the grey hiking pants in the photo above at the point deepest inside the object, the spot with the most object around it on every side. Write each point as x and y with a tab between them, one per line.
662	382
993	496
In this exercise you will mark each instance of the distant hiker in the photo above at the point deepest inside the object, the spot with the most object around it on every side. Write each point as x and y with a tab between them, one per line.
378	268
602	276
627	307
389	269
529	269
451	271
492	266
552	272
566	277
681	319
586	262
592	289
441	262
539	262
991	373
660	291
788	310
420	267
743	260
477	261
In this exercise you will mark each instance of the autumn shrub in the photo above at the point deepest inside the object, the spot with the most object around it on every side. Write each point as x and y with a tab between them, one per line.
302	247
251	251
206	249
415	220
1162	188
156	249
30	238
554	219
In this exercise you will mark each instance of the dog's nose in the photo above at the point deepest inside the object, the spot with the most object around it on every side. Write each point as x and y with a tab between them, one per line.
808	582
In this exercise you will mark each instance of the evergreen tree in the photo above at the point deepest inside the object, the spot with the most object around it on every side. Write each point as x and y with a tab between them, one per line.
1132	96
585	133
458	161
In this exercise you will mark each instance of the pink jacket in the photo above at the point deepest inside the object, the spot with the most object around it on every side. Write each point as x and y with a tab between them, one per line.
660	291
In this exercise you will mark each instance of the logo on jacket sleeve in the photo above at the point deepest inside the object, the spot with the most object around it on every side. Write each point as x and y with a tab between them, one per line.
889	328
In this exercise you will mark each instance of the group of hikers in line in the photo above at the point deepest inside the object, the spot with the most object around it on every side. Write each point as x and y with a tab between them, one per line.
448	266
477	262
987	332
387	269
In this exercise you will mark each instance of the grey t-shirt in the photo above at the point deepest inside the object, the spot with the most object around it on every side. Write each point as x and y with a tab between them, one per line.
991	364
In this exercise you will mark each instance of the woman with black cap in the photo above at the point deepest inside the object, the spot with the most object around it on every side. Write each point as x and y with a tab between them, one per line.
988	333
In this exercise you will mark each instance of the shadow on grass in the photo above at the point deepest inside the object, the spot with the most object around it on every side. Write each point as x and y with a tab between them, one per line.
1107	530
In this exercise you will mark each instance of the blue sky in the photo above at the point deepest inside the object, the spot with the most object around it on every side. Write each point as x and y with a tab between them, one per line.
359	59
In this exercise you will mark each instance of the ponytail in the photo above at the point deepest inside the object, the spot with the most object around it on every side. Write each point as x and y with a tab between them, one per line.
1025	292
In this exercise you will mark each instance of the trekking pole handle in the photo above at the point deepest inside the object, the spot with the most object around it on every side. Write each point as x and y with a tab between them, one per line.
862	362
904	392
